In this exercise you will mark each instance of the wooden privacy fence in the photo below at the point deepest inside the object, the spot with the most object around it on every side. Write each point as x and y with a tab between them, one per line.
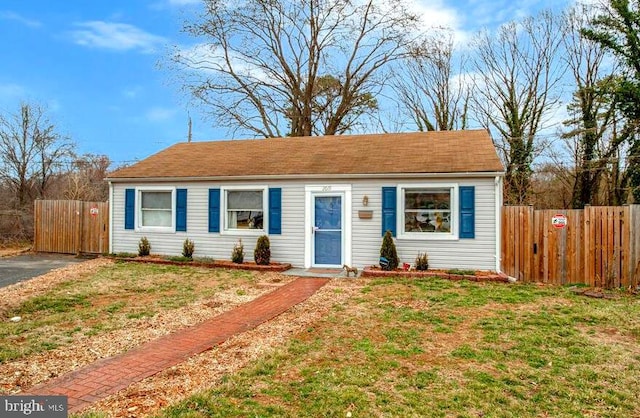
598	246
71	226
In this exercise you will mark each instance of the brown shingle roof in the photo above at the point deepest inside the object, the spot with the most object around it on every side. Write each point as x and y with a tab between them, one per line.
421	152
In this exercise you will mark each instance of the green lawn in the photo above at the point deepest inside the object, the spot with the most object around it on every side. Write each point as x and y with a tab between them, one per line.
107	300
425	348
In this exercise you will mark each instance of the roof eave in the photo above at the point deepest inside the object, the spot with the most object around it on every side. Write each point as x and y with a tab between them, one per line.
469	174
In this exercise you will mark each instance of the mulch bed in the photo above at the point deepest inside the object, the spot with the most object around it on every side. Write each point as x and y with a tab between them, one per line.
249	265
479	276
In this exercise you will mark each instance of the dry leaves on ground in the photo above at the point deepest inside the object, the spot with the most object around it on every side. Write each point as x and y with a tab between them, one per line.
198	373
11	251
24	373
13	295
205	370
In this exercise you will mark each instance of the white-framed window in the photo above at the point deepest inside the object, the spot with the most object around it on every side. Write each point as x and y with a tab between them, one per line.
244	209
428	211
156	209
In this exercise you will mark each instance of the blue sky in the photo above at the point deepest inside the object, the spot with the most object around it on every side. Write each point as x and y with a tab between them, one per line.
97	66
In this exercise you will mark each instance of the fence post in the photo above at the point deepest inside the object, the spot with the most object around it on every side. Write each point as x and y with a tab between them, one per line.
528	245
36	225
634	245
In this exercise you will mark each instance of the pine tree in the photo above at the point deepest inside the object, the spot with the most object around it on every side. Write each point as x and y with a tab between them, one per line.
262	252
388	251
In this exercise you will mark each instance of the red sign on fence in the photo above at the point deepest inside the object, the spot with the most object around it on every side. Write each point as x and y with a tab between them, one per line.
94	211
559	221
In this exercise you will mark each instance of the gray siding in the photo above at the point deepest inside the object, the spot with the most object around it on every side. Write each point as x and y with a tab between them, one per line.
285	247
478	253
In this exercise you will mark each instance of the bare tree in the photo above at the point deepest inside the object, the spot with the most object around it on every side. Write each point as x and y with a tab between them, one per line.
430	87
516	73
294	68
592	109
31	151
551	184
85	180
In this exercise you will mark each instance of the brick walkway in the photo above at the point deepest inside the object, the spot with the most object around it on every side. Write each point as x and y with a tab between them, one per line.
110	375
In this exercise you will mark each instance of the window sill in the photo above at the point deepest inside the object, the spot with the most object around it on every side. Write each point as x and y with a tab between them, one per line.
158	229
425	236
244	232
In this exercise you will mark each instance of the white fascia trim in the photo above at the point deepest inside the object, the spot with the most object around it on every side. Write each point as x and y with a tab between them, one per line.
485	174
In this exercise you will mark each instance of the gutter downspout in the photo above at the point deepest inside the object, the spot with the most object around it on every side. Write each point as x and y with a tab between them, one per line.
498	200
110	217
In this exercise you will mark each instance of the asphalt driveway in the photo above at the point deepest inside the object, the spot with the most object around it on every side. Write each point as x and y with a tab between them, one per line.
23	267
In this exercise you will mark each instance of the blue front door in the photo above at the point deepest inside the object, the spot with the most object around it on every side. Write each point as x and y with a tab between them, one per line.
327	230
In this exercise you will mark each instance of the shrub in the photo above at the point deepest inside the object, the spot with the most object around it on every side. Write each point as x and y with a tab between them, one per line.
262	253
188	247
144	247
388	251
237	255
422	261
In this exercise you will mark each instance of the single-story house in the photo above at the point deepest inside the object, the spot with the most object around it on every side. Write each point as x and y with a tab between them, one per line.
323	201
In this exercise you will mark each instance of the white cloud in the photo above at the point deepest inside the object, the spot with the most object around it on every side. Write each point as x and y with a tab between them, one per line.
12	91
116	37
182	2
490	14
53	105
438	14
204	58
170	4
160	114
8	15
12	95
466	81
600	3
131	92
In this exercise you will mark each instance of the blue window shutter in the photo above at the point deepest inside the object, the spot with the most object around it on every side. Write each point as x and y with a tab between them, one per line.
181	209
389	210
467	212
275	211
129	208
214	210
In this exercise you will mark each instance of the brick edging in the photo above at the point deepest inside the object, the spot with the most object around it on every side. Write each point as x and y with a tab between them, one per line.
279	267
497	277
